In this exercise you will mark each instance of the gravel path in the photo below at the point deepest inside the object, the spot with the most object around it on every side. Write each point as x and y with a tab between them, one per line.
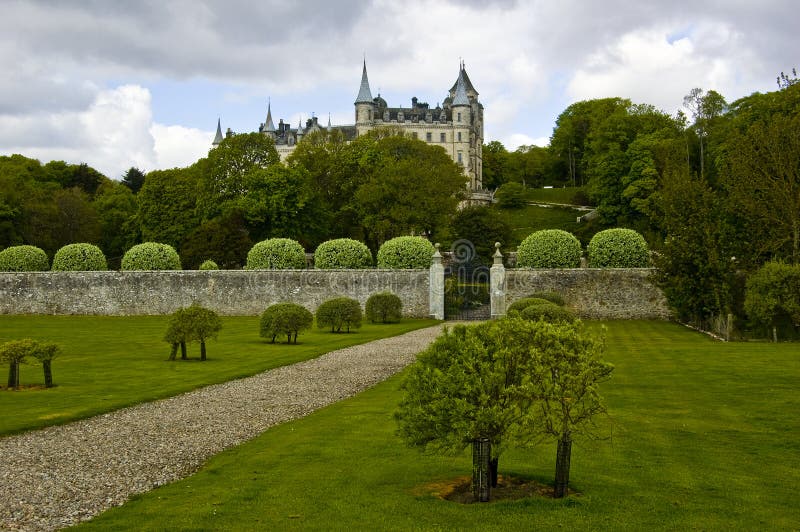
58	476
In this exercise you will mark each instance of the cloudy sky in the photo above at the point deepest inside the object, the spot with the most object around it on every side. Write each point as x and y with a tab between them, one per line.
142	83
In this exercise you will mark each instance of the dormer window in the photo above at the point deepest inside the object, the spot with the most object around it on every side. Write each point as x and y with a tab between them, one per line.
400	117
386	116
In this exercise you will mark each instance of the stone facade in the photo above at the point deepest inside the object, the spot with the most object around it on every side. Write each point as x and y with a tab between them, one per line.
229	292
456	125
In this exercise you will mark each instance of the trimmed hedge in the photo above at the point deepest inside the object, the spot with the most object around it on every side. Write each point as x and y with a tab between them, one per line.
342	253
618	248
549	248
521	304
339	312
285	318
79	258
548	312
151	256
384	307
406	252
23	259
552	297
276	254
209	265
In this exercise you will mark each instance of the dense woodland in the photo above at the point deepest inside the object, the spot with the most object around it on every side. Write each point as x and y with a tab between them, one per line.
715	190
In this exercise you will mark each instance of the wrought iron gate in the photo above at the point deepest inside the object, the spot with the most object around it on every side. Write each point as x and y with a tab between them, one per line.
466	285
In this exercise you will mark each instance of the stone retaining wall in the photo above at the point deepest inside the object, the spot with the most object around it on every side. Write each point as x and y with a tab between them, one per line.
593	293
229	292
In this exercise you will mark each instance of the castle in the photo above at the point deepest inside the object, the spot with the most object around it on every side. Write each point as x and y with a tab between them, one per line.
456	125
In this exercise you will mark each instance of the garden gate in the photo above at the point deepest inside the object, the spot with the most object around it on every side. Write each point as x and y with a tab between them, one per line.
466	285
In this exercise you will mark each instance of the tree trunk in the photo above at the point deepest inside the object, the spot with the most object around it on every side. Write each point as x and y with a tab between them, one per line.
481	458
173	351
295	337
202	349
493	471
183	351
48	373
289	338
13	375
563	455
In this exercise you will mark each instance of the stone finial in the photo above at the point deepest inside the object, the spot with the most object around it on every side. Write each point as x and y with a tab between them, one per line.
437	256
498	257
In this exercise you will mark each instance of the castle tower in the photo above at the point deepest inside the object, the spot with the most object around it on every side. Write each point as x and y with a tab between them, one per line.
269	126
462	125
364	104
218	138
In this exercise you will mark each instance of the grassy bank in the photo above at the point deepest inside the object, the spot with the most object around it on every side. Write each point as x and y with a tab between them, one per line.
112	362
705	436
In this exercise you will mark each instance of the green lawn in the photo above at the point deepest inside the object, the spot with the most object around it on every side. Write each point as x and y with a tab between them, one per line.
705	436
552	195
112	362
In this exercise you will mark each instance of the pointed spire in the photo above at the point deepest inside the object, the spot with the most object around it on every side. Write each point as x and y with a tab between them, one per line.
218	138
460	97
364	94
329	123
269	126
300	131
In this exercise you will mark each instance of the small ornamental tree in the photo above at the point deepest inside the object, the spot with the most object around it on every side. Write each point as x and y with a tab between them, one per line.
14	353
45	352
208	265
178	333
79	258
285	318
151	256
618	248
203	324
406	252
276	254
383	307
342	253
339	312
549	248
23	259
772	298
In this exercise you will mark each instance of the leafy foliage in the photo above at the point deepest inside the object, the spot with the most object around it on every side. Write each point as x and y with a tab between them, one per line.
276	254
342	253
208	265
151	256
548	312
14	353
511	196
23	259
549	248
552	297
482	226
405	252
224	240
521	304
384	307
618	248
773	298
339	312
167	205
193	323
285	318
79	258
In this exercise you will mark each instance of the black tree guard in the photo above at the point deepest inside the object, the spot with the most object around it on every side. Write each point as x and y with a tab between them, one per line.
481	474
562	466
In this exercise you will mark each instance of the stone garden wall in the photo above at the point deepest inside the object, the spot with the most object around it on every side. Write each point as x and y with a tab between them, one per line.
624	293
229	292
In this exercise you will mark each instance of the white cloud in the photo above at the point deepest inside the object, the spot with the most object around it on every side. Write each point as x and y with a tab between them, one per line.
178	146
515	140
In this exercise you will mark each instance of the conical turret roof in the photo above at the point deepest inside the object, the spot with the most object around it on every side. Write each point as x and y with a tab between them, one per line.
269	126
460	97
364	94
218	138
467	83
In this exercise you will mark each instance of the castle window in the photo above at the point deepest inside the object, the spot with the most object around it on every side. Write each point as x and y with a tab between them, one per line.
459	117
459	136
429	136
460	158
386	116
400	116
442	137
428	117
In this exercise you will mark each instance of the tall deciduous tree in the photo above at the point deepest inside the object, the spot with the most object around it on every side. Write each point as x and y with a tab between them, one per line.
167	202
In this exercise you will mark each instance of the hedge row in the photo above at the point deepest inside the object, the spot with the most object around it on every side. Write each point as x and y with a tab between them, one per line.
612	248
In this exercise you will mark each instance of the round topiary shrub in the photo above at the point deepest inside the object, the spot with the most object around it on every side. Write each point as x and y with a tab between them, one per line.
209	265
342	253
339	312
23	259
552	297
521	304
406	252
151	256
618	248
285	318
276	254
548	312
79	258
549	248
383	307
